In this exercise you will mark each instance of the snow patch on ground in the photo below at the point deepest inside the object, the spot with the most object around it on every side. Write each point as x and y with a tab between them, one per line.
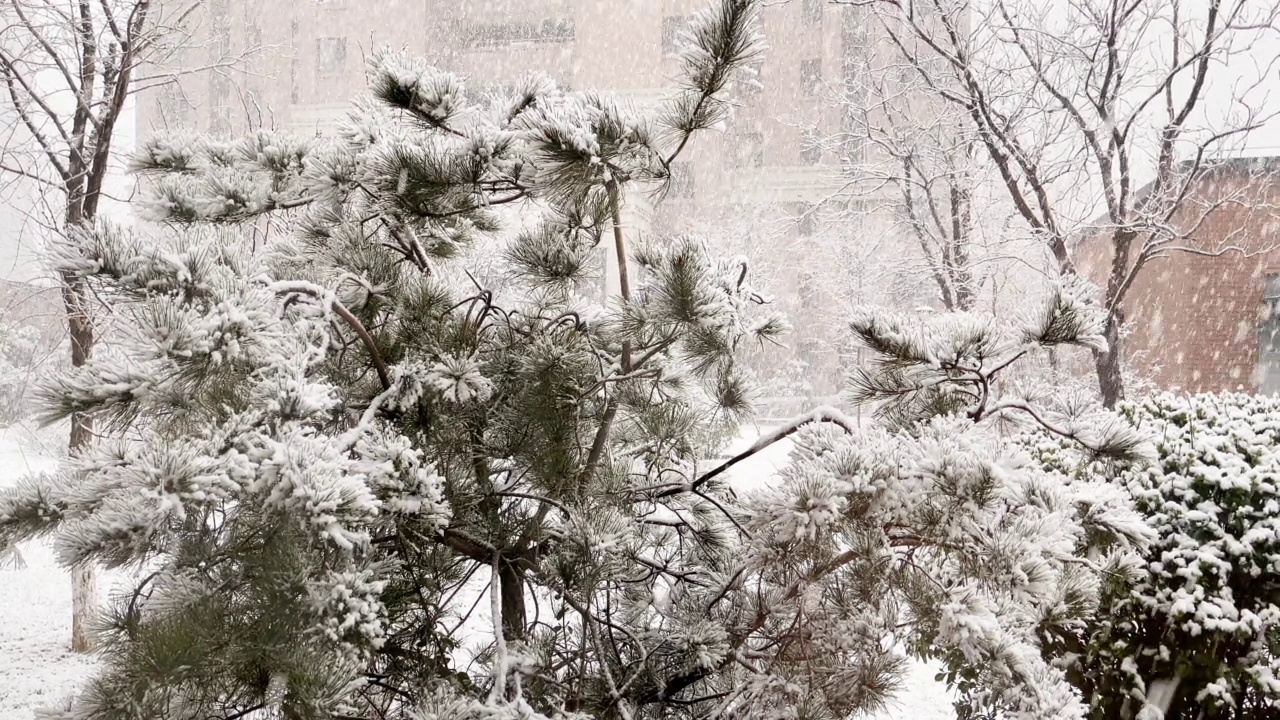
37	667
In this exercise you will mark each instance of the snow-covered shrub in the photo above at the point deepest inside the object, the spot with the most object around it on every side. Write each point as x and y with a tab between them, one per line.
1195	625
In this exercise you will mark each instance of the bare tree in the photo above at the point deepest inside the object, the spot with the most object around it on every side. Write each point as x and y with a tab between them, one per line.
915	212
1088	105
68	68
909	162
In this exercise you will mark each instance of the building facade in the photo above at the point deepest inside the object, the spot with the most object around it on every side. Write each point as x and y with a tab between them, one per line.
753	187
1207	319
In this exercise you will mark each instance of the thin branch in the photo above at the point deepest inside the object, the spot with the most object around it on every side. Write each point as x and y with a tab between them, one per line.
384	373
821	414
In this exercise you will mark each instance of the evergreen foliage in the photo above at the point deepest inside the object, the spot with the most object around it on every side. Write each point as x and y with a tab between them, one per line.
1195	624
325	454
967	549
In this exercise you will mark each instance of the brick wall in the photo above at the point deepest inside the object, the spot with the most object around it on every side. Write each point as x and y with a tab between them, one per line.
1192	319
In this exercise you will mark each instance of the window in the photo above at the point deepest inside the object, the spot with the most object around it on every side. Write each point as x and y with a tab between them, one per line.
810	146
253	37
859	206
681	185
853	152
1269	337
173	107
220	106
221	126
331	56
906	74
673	30
748	150
810	76
812	11
808	219
808	290
494	35
751	79
220	50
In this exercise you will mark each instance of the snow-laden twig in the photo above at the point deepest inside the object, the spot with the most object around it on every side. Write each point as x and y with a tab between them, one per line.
306	288
825	413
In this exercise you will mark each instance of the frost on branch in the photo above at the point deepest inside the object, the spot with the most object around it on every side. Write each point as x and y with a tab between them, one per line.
952	363
947	542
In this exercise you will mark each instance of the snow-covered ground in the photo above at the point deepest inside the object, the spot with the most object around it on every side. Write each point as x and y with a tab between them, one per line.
38	669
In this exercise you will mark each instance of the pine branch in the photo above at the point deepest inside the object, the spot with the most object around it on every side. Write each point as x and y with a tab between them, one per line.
598	443
821	414
620	248
284	288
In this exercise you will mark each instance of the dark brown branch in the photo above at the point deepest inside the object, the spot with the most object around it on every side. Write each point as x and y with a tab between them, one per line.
821	414
384	374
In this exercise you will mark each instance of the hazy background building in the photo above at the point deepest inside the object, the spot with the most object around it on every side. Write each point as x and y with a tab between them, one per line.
752	188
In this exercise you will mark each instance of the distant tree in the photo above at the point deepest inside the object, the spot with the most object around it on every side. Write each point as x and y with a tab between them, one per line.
1093	104
67	71
909	166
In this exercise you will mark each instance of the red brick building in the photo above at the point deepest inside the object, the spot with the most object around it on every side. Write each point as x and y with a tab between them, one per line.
1208	320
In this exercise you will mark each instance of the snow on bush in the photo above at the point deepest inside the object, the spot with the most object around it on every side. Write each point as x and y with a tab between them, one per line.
1195	624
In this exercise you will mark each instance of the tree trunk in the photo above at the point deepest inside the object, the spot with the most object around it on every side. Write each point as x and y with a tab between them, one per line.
84	603
1108	364
512	587
84	580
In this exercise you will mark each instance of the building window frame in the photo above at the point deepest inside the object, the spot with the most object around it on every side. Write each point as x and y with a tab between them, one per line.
811	146
331	56
810	76
674	29
811	11
747	149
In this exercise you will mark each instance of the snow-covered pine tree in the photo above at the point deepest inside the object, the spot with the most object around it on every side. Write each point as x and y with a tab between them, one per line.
320	449
329	452
931	532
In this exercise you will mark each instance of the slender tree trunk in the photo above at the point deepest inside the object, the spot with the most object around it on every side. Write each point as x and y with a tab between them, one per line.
513	611
1110	381
1108	365
84	601
84	578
